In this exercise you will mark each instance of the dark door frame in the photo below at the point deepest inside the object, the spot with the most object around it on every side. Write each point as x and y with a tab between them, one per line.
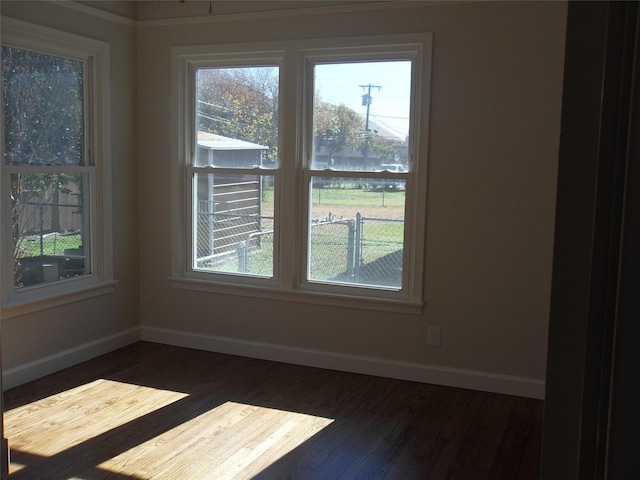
590	429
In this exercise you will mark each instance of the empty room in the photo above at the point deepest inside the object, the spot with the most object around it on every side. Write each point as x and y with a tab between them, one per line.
300	239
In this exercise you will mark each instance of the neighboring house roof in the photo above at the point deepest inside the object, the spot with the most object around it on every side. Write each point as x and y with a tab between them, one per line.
212	141
385	132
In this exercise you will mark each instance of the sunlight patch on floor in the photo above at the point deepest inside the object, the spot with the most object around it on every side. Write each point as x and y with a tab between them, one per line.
15	467
67	419
233	440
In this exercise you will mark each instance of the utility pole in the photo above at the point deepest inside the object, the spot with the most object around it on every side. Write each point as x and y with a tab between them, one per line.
366	101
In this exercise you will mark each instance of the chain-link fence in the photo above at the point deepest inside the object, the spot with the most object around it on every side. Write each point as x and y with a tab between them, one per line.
48	229
255	255
49	243
332	249
380	256
363	250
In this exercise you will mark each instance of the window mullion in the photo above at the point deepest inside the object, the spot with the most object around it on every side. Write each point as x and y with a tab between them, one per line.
288	207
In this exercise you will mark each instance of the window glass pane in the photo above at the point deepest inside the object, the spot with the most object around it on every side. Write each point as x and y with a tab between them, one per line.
361	115
356	233
237	117
234	223
50	227
43	109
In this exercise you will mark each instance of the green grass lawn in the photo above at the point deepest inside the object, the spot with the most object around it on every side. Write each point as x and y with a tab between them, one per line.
360	197
52	244
363	197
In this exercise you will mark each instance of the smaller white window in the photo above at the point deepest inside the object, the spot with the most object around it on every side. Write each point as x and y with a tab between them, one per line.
54	164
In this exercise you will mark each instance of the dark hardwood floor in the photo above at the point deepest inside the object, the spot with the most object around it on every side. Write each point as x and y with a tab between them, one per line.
152	411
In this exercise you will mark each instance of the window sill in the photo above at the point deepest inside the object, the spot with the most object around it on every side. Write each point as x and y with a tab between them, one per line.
15	308
299	296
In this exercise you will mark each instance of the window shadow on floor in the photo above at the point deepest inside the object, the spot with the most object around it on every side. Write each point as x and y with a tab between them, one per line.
234	417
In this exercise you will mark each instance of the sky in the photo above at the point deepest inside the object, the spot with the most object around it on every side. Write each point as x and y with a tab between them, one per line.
341	84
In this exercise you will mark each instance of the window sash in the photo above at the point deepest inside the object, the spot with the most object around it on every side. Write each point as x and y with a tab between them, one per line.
189	68
311	171
68	255
54	269
350	252
65	85
226	224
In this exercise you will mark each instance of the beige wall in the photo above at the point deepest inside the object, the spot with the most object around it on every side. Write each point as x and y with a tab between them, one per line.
86	324
497	79
495	109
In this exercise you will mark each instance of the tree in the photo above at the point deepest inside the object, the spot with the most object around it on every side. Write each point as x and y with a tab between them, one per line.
384	148
43	108
336	128
240	103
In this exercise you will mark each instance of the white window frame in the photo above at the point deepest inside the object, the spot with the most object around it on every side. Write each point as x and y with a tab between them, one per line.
295	139
95	56
190	67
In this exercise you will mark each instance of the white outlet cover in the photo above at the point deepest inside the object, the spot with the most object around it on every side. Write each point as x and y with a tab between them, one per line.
433	336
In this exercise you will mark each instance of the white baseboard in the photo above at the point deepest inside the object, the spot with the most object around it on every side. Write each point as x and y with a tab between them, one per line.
21	374
452	377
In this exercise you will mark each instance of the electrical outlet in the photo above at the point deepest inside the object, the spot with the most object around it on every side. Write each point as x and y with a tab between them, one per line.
433	336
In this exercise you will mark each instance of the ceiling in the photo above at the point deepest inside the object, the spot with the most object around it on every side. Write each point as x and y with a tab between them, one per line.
165	9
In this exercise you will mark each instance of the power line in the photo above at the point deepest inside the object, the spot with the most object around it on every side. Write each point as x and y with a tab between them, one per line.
390	116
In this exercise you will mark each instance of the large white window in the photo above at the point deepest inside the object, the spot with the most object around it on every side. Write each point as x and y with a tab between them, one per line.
54	166
302	170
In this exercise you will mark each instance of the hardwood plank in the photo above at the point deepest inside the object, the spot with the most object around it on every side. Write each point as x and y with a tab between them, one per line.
153	411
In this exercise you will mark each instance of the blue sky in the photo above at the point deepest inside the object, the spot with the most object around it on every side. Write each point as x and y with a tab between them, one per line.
341	84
